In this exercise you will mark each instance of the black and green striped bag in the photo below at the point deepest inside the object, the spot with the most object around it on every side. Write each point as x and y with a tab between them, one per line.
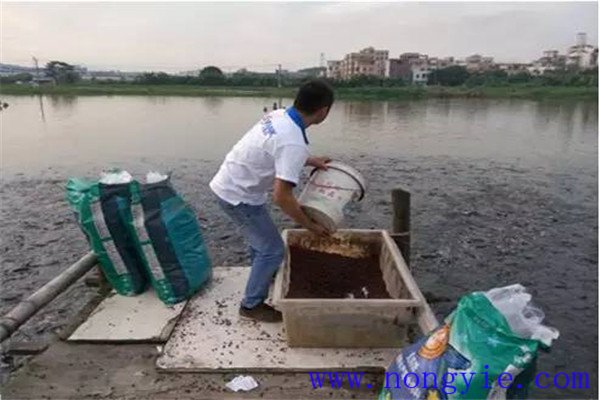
170	240
104	214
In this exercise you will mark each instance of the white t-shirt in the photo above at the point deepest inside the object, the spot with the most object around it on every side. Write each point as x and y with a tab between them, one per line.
274	148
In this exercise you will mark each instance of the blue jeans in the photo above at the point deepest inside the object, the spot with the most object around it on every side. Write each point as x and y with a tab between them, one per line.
266	248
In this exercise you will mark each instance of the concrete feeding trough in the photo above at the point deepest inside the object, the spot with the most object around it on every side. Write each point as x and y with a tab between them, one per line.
351	290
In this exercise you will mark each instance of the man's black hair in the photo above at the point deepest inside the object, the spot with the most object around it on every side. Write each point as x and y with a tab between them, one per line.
314	95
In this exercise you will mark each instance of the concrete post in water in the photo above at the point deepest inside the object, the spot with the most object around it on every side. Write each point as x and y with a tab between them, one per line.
27	308
401	222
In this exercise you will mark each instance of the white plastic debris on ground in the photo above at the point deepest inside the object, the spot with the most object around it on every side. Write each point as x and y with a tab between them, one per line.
154	177
115	177
242	382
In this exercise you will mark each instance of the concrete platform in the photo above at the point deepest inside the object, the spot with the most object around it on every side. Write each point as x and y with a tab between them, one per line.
124	319
211	337
80	371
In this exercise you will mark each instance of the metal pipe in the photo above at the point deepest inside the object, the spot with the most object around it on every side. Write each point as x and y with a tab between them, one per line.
27	308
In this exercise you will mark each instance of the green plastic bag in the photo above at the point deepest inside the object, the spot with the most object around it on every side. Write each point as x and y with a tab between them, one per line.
170	240
103	213
142	233
475	354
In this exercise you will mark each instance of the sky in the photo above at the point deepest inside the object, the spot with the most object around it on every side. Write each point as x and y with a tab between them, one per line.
174	37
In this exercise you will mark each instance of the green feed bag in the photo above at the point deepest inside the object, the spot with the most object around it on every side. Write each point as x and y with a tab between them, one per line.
483	350
170	239
104	214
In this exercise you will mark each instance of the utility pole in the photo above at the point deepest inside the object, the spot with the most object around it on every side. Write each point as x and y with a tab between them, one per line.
37	68
278	75
279	81
37	76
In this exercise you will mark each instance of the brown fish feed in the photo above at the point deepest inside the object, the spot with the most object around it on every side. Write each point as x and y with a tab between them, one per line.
321	275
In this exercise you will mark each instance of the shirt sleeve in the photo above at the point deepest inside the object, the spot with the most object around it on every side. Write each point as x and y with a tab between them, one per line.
289	161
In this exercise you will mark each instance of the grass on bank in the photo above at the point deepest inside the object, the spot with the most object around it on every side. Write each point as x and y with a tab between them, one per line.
355	93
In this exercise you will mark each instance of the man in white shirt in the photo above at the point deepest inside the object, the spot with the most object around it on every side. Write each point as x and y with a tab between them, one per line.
270	156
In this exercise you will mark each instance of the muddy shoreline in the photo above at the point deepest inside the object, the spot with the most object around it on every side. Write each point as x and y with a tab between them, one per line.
476	224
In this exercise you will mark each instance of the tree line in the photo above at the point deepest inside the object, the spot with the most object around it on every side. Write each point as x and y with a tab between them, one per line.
63	73
59	71
459	76
450	76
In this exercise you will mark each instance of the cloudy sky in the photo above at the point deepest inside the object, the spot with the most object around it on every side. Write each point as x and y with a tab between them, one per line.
185	36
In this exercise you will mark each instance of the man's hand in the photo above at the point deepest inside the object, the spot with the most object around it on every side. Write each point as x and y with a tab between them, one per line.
318	162
283	196
319	230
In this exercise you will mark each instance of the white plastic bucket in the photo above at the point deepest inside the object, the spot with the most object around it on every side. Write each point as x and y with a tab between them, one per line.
327	193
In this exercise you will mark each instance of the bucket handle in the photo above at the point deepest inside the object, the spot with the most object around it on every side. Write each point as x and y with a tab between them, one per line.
362	189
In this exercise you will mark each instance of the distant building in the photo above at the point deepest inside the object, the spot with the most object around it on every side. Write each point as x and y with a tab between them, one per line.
110	76
539	69
401	67
439	63
310	72
551	60
579	56
513	68
80	69
582	55
334	69
479	63
393	68
193	72
420	73
9	70
415	68
368	61
43	81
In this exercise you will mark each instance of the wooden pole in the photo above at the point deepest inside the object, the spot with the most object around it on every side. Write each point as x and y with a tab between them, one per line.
401	222
401	205
27	308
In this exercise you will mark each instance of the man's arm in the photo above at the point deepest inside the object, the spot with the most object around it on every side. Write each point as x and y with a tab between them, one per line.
283	197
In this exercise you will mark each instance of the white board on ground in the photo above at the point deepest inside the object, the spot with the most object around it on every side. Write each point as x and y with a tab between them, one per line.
210	336
141	318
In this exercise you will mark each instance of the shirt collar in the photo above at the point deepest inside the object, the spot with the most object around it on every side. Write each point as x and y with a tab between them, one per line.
295	116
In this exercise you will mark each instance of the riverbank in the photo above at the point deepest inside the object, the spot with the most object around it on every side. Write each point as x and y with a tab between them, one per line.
476	224
359	93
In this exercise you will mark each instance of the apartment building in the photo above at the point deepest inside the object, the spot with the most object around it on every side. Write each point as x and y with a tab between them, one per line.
415	68
582	55
479	63
368	61
513	68
334	69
